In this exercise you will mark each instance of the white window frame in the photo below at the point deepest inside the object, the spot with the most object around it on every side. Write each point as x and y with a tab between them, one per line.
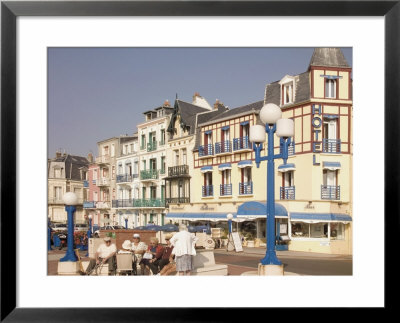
330	88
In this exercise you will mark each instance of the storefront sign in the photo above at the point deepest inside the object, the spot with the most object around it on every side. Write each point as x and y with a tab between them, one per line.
316	123
206	207
237	242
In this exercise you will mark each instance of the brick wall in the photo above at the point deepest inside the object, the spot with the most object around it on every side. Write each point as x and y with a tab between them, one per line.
122	235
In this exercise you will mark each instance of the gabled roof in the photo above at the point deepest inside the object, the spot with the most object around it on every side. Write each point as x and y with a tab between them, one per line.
73	165
329	57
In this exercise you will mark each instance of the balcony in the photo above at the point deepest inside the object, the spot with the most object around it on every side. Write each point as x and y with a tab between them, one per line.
330	192
103	204
151	146
225	190
287	192
246	188
149	202
223	147
332	146
89	204
149	174
207	191
125	178
176	171
206	150
85	184
162	171
291	148
122	203
103	159
103	181
241	143
161	143
177	200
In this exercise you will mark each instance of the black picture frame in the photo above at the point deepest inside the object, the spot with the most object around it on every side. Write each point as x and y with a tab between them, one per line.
10	10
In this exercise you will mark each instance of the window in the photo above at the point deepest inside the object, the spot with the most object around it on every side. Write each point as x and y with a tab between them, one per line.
330	128
58	193
162	137
143	142
330	88
105	150
322	230
287	93
329	177
337	231
288	178
95	196
176	153
163	165
184	157
95	174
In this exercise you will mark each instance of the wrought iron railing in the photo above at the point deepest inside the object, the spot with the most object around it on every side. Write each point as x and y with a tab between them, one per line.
245	188
330	192
149	174
177	200
122	203
89	204
103	181
178	170
157	202
124	178
241	143
288	192
225	189
331	146
223	147
206	150
151	146
208	190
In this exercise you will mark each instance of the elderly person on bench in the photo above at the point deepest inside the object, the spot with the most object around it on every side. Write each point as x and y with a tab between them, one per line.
154	252
105	254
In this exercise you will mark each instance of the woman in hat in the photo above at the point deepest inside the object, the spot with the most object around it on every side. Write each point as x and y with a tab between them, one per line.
153	253
139	248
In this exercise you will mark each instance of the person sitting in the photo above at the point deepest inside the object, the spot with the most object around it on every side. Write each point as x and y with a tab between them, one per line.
139	248
153	253
157	265
105	254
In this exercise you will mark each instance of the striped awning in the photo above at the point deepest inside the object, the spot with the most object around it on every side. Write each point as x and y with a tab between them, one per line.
244	123
225	128
206	169
331	77
331	165
245	163
286	167
225	166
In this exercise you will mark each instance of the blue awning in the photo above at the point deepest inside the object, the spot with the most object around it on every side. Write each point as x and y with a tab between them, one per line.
208	132
197	216
225	128
286	167
244	123
320	217
331	165
258	209
331	116
245	163
225	166
206	169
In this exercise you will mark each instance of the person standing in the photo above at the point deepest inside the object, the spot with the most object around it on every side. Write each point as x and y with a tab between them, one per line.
184	250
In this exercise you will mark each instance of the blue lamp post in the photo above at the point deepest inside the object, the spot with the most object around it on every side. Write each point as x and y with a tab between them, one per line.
126	221
89	233
230	217
49	235
270	115
70	200
229	245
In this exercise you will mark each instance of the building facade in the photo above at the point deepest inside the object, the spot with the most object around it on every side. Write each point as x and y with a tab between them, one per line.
66	173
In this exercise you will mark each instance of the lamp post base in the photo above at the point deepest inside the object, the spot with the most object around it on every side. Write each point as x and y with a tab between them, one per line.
270	270
68	267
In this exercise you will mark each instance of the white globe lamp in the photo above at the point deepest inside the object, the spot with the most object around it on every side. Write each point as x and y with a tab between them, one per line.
270	113
70	198
285	128
257	134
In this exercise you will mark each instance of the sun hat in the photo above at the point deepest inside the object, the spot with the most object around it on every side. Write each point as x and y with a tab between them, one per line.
136	235
127	244
107	239
168	236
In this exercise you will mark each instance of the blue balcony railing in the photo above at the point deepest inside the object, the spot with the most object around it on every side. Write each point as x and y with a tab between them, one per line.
223	147
332	146
85	184
330	192
291	148
207	190
288	192
206	150
241	143
245	188
225	189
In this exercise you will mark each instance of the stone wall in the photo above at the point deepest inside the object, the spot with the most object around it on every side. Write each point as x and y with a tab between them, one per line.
122	235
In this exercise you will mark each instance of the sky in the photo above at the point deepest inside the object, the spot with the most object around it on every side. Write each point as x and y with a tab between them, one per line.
98	93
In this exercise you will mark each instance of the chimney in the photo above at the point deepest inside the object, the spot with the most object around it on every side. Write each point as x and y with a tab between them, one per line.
217	104
58	154
196	94
90	158
166	103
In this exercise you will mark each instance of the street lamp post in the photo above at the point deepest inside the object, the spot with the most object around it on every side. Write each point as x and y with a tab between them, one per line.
229	245
49	234
126	221
70	200
270	115
89	233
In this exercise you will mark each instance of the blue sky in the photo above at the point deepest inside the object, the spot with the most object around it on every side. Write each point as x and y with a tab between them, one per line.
99	93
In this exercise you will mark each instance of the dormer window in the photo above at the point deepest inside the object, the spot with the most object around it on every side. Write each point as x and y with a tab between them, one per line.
330	88
287	90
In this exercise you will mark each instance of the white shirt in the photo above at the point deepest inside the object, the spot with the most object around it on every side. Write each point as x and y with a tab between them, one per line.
105	251
140	246
184	243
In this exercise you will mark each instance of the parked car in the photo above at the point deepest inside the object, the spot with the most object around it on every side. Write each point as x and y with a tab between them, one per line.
81	227
57	227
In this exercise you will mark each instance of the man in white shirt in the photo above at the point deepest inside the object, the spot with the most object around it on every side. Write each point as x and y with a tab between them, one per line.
105	254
